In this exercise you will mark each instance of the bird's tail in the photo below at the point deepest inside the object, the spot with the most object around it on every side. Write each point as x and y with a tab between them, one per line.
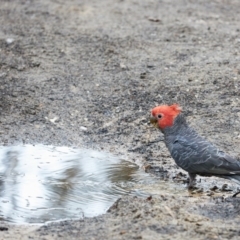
234	178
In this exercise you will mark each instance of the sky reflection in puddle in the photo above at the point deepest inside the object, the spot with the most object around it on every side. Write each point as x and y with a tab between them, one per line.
45	183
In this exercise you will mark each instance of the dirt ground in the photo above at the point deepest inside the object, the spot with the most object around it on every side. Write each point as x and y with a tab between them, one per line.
87	73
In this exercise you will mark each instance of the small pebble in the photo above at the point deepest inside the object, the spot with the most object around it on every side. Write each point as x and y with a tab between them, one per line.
9	40
83	128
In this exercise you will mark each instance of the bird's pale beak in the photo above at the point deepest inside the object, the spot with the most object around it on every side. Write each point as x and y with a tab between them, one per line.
154	121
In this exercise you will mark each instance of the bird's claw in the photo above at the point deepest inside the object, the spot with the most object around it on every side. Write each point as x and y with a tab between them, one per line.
192	188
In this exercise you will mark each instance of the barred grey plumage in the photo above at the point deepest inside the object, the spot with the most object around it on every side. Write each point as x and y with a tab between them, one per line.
190	151
196	155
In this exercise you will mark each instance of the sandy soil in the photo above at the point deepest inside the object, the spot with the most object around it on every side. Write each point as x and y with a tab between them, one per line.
86	73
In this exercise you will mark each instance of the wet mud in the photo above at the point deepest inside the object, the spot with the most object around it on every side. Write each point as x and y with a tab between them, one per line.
85	74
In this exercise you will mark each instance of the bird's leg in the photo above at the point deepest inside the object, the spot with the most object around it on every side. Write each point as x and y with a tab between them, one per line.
192	180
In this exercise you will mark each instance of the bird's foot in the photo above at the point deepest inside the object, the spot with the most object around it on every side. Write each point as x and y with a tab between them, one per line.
192	187
195	189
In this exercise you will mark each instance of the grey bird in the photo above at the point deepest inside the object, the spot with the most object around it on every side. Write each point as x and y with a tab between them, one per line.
190	151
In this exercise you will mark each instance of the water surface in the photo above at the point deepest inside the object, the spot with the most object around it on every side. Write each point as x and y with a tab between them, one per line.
45	183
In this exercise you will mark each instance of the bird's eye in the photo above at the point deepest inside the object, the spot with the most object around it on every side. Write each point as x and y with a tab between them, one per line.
159	116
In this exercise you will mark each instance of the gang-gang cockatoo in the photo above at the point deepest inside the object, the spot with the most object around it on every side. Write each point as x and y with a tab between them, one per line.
190	151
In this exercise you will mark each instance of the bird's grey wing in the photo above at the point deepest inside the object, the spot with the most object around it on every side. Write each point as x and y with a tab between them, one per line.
224	164
202	157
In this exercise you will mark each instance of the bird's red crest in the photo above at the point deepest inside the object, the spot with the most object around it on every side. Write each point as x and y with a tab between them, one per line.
165	115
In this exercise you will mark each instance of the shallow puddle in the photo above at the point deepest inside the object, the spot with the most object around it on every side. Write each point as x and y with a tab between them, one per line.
45	183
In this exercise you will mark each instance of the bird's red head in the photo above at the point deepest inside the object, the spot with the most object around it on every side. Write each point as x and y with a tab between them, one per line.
163	116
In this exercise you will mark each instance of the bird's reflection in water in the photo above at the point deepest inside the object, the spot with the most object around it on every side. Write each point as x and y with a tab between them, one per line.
45	183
